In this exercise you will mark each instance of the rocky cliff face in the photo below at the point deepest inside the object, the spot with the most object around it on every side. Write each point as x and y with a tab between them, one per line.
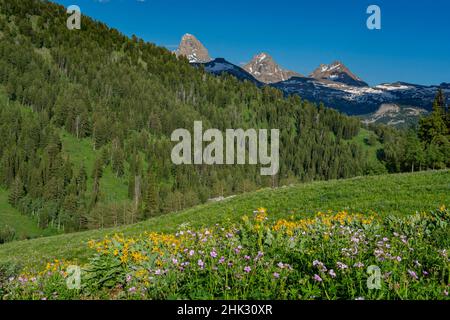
266	70
191	48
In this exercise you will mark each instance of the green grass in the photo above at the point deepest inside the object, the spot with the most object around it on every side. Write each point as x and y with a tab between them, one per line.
388	194
361	140
113	189
24	226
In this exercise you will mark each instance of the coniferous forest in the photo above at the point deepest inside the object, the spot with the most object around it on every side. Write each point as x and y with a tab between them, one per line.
123	97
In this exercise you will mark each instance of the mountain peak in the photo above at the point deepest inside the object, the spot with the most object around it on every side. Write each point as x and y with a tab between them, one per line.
262	56
337	72
191	48
264	68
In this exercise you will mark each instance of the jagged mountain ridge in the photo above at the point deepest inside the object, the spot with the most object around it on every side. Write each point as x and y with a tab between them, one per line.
220	66
337	87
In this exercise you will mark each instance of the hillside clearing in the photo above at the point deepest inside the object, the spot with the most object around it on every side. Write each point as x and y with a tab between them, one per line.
24	226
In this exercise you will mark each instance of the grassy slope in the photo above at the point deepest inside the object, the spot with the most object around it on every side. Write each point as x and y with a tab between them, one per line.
23	225
360	139
388	194
81	152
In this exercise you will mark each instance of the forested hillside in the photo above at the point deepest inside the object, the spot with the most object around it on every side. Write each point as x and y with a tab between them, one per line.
121	99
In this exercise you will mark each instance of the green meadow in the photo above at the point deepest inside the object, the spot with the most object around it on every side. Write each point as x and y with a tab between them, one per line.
399	194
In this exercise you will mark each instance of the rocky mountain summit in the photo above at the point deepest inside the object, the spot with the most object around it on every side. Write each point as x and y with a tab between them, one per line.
337	72
191	48
264	68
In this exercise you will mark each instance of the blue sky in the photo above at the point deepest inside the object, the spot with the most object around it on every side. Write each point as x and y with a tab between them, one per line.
412	46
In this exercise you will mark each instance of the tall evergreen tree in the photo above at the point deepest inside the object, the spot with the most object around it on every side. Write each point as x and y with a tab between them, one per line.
17	192
151	197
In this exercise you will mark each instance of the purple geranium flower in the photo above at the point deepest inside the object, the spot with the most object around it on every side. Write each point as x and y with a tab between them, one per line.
413	274
342	266
317	278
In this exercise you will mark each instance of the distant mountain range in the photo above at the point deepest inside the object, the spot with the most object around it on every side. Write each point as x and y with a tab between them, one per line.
333	84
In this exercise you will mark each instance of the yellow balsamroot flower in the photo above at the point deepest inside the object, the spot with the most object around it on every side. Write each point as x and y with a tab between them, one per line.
91	244
341	217
260	217
124	258
262	210
324	219
157	250
368	220
55	266
442	208
138	257
164	239
285	226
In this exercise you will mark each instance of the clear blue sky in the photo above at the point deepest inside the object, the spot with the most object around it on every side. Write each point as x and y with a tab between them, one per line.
412	46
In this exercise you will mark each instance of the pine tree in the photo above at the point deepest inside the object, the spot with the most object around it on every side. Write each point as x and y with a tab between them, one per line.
151	198
439	103
97	172
118	161
82	180
105	157
414	153
96	193
17	192
69	217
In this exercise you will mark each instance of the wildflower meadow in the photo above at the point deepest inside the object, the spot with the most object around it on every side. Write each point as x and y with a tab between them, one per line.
333	255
